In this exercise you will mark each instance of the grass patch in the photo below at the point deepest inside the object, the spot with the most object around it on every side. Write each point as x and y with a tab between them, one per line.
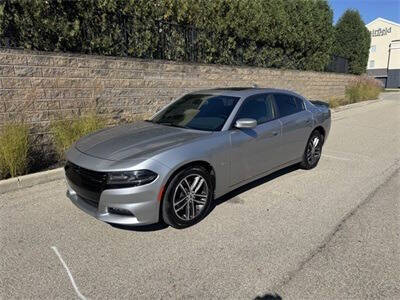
14	146
66	132
363	88
336	102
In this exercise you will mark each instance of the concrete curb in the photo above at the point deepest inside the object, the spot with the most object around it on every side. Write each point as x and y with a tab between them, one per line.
354	105
21	182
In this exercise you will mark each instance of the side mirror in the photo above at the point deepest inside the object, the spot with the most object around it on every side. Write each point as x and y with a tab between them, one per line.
246	123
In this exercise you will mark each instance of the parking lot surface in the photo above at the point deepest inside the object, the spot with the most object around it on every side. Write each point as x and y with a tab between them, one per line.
330	232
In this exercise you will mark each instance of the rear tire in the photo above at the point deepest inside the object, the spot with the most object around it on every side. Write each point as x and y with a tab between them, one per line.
312	153
188	197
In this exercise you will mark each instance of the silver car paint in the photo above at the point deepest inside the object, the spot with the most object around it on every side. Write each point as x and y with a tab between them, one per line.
264	142
237	156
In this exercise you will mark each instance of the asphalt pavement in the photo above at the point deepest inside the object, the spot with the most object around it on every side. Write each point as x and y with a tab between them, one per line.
328	233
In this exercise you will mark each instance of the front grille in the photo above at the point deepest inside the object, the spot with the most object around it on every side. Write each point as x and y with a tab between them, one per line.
87	184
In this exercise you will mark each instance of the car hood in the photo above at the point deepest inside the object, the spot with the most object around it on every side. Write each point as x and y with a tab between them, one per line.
135	141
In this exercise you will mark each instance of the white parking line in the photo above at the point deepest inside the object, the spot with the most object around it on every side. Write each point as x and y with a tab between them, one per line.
69	274
348	153
338	118
335	157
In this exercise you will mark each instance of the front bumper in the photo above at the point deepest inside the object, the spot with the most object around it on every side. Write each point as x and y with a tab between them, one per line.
140	201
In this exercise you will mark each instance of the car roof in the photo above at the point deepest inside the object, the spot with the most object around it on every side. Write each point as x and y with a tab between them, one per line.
243	91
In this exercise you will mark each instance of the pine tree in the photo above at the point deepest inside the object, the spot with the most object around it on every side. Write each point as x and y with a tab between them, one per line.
352	41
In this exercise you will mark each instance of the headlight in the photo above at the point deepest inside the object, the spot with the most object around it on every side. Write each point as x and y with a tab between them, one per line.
130	178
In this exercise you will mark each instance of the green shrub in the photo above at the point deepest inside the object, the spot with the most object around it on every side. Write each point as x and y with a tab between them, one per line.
14	148
335	102
363	88
68	131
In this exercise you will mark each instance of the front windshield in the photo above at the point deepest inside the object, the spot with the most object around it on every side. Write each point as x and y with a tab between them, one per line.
198	111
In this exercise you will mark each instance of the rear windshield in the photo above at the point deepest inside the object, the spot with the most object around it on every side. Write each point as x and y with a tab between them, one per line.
198	111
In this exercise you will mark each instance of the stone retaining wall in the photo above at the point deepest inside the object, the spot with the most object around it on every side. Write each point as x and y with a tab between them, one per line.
44	86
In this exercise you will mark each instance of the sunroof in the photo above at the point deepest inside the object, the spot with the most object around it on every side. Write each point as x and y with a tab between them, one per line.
234	88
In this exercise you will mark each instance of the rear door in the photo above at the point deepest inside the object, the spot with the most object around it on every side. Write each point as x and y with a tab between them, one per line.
296	126
256	150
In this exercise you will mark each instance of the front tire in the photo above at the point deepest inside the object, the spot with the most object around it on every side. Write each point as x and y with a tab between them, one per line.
187	198
313	151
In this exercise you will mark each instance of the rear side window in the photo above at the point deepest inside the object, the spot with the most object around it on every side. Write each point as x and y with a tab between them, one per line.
299	103
287	104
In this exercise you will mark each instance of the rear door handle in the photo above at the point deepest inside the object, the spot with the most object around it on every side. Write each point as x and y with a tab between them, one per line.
275	133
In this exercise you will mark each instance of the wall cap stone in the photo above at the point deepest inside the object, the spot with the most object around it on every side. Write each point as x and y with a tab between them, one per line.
162	62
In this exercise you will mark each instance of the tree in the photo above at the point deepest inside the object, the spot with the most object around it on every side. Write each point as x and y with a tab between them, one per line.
352	41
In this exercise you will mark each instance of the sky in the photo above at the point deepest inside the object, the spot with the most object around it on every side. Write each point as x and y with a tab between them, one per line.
369	9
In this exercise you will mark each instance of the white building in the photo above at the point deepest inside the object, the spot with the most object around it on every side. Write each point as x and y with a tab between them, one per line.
384	54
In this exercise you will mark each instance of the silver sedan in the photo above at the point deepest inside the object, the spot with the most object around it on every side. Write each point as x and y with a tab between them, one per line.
198	148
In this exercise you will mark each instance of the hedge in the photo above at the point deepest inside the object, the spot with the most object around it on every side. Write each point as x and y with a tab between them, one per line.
295	34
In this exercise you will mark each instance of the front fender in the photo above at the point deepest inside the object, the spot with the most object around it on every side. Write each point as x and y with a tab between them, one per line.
215	151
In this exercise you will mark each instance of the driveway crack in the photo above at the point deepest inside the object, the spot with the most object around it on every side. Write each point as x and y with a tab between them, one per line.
292	274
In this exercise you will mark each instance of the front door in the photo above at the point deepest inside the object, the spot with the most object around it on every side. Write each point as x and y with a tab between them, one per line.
256	150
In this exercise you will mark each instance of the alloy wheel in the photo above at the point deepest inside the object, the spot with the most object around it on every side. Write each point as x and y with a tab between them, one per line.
313	150
190	197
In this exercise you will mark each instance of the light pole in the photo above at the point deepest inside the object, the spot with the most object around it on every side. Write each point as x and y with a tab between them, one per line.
387	67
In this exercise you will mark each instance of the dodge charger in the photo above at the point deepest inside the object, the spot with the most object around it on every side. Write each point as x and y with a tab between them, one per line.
207	143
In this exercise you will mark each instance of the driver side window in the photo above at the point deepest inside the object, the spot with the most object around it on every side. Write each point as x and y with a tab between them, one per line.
258	107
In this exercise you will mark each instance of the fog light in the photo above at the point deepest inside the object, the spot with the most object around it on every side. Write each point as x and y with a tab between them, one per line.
119	211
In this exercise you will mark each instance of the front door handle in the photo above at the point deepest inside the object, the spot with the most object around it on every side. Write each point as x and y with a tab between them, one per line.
275	133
